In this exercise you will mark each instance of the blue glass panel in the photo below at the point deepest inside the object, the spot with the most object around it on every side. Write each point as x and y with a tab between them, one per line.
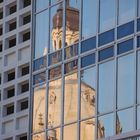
55	57
125	46
138	41
106	37
87	60
71	51
106	53
55	72
125	29
138	117
71	66
88	44
39	63
41	4
39	78
138	24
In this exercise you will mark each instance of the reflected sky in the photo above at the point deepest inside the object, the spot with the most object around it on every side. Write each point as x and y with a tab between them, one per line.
138	75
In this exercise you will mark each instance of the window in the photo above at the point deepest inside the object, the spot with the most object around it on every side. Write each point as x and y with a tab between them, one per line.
24	70
23	105
1	30
12	9
1	13
107	14
125	123
9	109
126	29
125	46
138	77
23	138
12	26
88	44
138	41
138	24
125	81
106	37
1	47
89	14
11	76
105	126
12	42
26	36
126	11
24	87
26	19
138	117
41	4
41	34
106	53
39	78
26	3
106	86
10	93
87	60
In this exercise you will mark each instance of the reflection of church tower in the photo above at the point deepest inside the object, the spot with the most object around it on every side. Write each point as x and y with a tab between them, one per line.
72	27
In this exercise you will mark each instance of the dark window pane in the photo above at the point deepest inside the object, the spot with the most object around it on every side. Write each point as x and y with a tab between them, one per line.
11	76
10	110
1	15
125	46
39	63
138	41
1	30
0	47
55	57
10	93
88	44
23	138
25	70
26	19
24	87
26	3
24	105
26	36
12	26
106	37
55	72
12	42
138	24
106	53
71	51
12	9
39	78
71	66
88	60
125	30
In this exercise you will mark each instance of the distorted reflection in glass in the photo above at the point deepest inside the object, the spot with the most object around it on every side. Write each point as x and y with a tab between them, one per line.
70	98
105	126
124	121
72	22
39	101
88	92
138	8
41	4
138	77
89	18
54	103
41	34
138	117
54	1
126	10
106	86
39	136
54	134
70	132
107	14
87	130
56	30
125	86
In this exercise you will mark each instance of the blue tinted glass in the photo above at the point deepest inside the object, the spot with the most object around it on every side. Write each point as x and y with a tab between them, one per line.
106	53
125	81
138	117
69	67
138	77
87	60
125	46
39	63
39	78
138	41
106	37
41	4
126	10
55	57
88	44
124	121
125	30
71	51
138	25
107	14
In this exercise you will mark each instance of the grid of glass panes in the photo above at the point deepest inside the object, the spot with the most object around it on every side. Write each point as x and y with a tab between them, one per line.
91	77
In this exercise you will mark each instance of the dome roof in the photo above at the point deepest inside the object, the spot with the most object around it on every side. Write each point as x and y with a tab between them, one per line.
72	18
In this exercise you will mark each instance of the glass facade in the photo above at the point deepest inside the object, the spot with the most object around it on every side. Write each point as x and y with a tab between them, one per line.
86	70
